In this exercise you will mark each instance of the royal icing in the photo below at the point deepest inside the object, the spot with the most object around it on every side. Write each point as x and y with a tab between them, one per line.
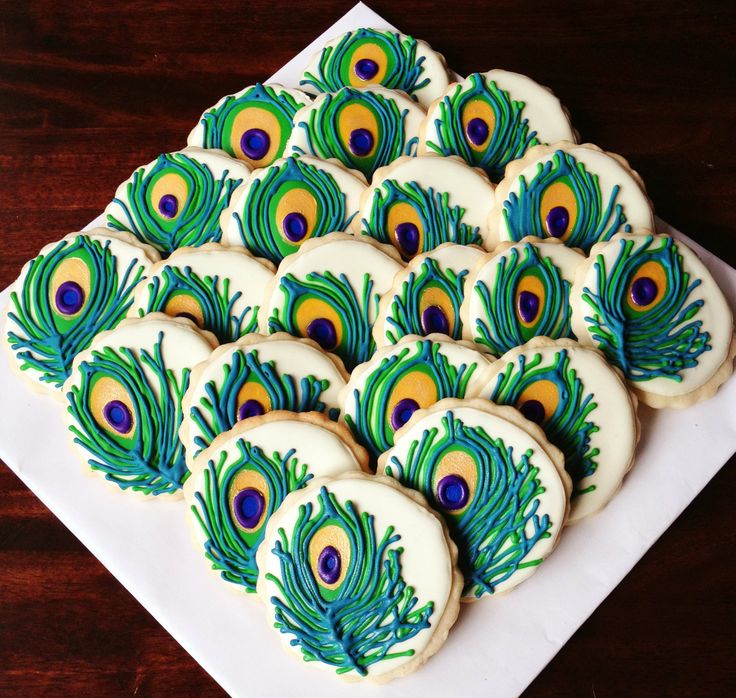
176	200
291	201
575	193
74	289
366	57
490	119
252	125
427	295
518	292
497	484
418	203
364	128
329	291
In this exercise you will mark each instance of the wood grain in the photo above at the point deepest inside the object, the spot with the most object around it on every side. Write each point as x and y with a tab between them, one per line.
89	91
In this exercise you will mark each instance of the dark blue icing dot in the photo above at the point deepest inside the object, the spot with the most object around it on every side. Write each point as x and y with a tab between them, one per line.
477	131
248	507
118	416
403	411
329	564
168	206
528	306
255	143
435	320
322	331
250	408
643	291
361	142
557	221
188	316
366	69
295	226
69	298
407	235
533	410
452	492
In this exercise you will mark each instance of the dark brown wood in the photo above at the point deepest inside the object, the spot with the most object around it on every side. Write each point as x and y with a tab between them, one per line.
89	91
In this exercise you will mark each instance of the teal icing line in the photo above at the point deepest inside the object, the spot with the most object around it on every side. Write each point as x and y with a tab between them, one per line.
374	608
502	522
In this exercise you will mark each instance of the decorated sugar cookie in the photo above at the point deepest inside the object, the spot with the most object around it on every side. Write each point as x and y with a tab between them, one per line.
366	57
426	296
490	119
75	288
574	193
124	401
582	404
176	200
364	128
359	577
499	483
219	289
383	393
242	478
418	203
329	291
291	201
652	307
252	125
254	376
518	292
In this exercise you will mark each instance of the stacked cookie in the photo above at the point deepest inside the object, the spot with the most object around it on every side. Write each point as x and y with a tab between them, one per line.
387	334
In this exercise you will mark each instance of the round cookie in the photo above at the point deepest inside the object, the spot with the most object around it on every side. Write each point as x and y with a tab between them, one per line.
384	392
329	291
582	404
418	203
520	291
490	119
364	128
653	308
73	289
124	396
252	125
359	577
176	200
576	193
243	477
426	295
499	483
289	202
218	288
253	376
364	57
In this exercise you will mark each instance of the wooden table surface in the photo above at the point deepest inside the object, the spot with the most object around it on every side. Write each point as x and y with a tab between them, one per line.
89	91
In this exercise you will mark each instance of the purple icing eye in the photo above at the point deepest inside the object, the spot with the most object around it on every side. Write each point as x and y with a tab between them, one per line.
329	564
643	291
361	142
255	143
452	492
322	331
69	298
528	306
250	408
557	221
188	316
366	69
295	226
477	131
407	235
117	415
403	411
168	206
248	507
533	410
435	320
